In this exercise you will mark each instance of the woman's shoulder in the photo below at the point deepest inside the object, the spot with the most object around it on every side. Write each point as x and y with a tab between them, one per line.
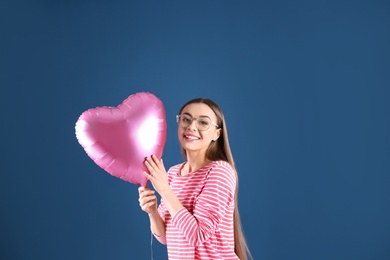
175	168
222	168
222	165
222	174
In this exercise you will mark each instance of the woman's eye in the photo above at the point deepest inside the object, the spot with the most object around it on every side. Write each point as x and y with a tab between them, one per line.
203	122
186	119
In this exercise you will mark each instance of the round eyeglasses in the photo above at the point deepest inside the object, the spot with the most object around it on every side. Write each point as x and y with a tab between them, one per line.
202	123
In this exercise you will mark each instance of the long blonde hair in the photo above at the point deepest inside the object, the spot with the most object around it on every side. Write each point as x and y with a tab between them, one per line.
220	150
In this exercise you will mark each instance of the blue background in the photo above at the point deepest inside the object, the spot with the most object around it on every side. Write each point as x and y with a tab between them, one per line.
304	85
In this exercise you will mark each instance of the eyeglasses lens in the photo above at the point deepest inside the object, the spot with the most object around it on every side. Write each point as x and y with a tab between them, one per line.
202	123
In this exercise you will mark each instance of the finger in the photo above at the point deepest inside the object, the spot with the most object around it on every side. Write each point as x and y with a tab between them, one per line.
142	189
147	207
149	197
148	175
159	162
146	194
146	202
152	203
153	160
149	166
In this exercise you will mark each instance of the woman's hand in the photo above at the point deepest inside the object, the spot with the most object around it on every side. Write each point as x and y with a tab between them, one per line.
157	174
147	200
159	179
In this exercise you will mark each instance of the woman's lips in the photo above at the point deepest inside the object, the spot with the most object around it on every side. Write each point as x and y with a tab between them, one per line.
190	137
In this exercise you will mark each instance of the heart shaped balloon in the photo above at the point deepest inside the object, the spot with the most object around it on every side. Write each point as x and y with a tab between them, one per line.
118	139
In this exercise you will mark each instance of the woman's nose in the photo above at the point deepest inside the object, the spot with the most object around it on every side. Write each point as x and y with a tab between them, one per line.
192	125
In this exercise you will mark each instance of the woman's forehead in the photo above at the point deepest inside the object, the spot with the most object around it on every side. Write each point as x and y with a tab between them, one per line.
199	109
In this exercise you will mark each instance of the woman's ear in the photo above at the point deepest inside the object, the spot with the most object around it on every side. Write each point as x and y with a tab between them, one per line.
217	134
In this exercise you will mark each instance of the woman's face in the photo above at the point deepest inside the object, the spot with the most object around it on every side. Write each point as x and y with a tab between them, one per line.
190	137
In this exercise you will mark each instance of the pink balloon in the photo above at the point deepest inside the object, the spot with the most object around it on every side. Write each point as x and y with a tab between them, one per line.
118	139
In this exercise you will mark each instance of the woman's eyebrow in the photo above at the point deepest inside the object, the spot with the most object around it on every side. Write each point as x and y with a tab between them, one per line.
186	113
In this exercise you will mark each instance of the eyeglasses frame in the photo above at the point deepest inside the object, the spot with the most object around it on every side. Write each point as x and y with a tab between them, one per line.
196	122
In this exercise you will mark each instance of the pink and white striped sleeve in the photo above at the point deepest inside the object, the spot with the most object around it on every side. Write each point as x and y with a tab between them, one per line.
210	206
161	212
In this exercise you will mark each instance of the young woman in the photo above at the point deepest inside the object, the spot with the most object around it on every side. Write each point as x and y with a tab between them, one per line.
198	216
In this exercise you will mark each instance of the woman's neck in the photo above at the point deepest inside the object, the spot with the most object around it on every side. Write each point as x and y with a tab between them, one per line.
194	162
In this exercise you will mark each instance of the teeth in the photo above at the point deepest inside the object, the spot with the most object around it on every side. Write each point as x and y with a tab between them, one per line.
192	137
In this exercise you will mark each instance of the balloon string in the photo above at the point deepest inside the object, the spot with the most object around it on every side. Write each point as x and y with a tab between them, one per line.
151	245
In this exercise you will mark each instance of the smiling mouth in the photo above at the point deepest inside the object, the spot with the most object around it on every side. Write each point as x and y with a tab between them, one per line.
191	137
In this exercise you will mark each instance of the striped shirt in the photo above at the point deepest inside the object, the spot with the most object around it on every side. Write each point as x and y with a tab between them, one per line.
203	228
